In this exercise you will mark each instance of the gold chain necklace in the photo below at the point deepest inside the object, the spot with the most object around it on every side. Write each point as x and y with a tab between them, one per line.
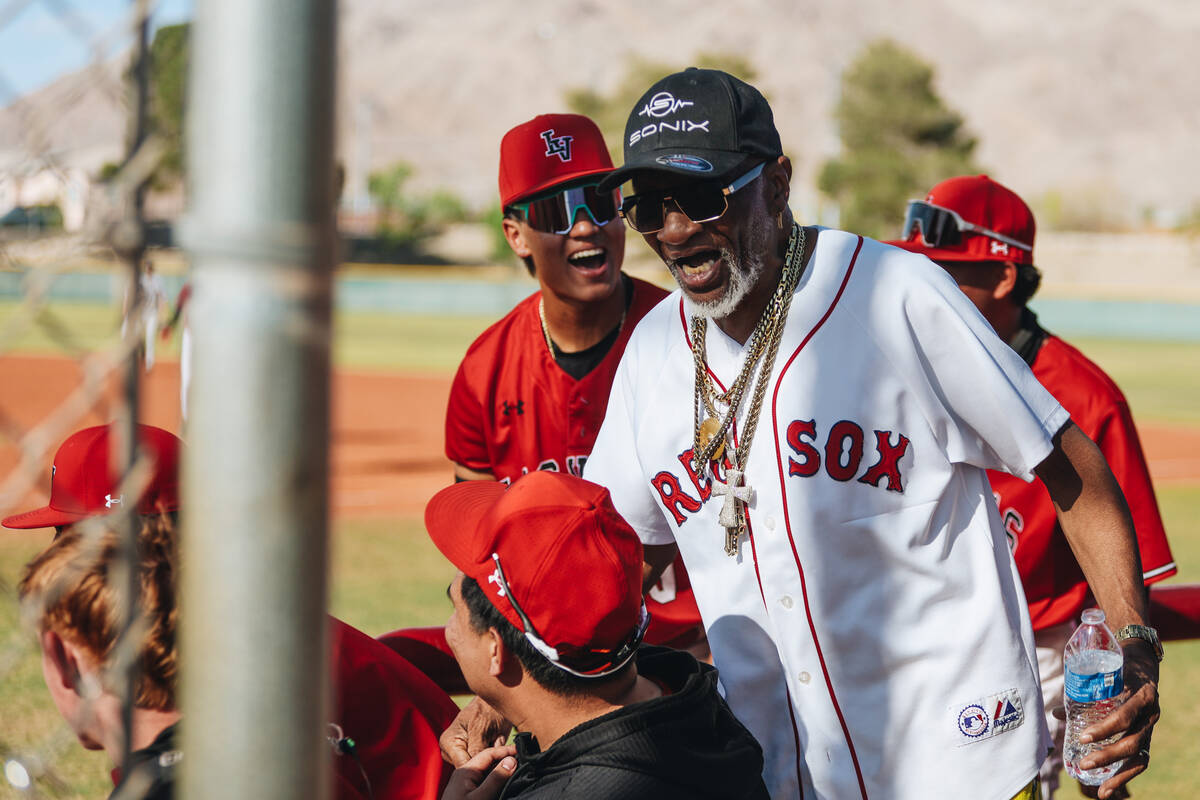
550	345
710	432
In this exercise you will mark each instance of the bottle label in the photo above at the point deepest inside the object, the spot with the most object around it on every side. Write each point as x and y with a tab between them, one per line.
1093	686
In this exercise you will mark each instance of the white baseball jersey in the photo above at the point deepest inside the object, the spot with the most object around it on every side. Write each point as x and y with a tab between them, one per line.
871	632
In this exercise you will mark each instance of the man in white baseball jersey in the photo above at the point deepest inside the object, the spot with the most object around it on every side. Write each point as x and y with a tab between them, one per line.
809	420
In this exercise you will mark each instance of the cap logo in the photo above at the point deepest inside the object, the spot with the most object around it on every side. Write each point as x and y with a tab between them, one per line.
110	501
679	126
662	104
682	161
999	248
496	579
557	145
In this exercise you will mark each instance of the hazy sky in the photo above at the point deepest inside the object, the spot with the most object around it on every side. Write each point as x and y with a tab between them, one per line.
41	40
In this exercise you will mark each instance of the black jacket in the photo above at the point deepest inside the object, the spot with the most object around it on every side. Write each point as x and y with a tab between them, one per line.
683	746
156	764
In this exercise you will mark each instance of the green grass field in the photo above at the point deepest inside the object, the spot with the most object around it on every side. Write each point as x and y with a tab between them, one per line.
387	575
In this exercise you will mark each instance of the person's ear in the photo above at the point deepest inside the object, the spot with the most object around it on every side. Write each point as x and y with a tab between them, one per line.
515	235
63	661
499	657
1006	281
779	174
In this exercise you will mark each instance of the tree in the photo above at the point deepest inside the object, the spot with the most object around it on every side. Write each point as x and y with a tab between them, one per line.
611	111
898	139
169	54
406	221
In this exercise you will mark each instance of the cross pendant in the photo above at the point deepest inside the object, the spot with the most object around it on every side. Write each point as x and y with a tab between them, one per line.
732	516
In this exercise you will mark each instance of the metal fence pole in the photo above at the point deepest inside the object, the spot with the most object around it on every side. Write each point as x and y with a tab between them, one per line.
260	234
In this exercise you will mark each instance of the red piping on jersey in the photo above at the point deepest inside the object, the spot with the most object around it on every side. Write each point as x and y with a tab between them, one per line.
788	522
754	556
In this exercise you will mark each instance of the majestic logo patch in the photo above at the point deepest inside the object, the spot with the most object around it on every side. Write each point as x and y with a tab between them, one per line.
984	718
694	163
663	104
557	145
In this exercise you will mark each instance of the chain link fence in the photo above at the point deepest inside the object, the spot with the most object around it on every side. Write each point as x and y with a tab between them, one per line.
73	226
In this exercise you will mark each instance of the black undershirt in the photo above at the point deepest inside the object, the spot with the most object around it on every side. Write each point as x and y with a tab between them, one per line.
580	363
1028	339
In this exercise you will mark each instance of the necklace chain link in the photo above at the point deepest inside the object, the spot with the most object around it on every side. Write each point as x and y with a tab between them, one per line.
554	349
764	341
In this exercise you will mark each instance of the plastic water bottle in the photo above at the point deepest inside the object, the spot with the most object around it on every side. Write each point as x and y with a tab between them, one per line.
1092	671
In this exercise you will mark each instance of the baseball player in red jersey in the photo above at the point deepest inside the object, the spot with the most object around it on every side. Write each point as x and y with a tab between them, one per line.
982	234
532	390
387	715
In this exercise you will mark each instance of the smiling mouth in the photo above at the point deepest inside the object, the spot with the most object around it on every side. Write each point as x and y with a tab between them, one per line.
696	270
588	259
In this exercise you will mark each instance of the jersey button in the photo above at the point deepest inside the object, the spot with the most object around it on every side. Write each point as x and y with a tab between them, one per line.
804	677
770	523
786	601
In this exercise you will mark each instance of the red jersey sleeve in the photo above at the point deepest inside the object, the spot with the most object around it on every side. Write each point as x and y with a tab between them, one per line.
466	441
1117	438
394	713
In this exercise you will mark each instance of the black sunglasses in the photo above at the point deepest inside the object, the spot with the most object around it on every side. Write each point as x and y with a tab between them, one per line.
575	660
555	213
940	227
700	201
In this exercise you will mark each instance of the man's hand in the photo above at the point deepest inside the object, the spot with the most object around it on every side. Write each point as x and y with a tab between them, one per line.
477	727
1133	720
482	778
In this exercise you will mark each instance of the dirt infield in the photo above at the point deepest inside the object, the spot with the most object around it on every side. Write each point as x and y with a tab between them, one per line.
387	432
387	429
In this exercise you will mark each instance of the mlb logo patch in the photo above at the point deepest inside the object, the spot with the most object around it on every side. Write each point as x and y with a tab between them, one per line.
986	717
973	721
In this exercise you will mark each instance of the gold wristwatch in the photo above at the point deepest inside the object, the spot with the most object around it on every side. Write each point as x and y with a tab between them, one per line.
1145	633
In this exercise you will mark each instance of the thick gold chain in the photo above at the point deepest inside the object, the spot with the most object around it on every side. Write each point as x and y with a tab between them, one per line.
764	341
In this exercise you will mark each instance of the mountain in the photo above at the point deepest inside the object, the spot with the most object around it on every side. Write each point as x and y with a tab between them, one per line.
1089	101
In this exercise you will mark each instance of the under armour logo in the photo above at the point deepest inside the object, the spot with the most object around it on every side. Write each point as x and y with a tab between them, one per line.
512	408
495	578
999	248
110	501
557	145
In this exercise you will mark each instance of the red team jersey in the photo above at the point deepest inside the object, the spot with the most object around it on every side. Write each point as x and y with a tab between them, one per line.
512	407
1054	584
514	410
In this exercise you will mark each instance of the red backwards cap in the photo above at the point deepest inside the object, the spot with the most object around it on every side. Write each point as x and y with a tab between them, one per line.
572	562
980	200
82	483
549	150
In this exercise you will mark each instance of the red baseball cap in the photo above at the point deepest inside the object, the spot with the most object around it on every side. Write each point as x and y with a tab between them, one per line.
992	213
83	484
571	564
548	150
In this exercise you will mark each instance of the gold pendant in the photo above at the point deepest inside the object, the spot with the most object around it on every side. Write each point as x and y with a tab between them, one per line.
709	428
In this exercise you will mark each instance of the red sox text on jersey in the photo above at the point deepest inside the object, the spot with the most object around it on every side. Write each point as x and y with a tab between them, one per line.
841	455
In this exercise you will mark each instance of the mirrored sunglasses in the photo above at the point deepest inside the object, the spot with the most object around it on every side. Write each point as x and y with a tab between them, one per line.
578	661
555	213
942	227
700	201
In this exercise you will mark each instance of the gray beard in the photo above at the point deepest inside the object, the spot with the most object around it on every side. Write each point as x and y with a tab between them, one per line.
744	272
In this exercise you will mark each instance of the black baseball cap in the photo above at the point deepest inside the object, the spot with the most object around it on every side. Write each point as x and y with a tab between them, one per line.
699	123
